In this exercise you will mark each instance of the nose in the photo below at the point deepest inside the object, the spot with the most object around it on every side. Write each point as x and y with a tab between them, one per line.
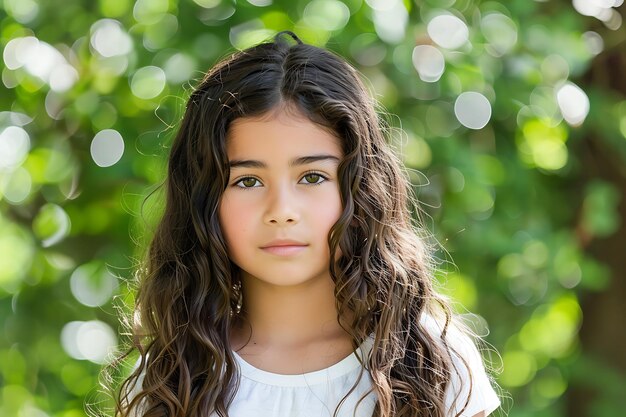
281	208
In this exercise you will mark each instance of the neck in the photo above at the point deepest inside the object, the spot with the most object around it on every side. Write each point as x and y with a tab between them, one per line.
288	316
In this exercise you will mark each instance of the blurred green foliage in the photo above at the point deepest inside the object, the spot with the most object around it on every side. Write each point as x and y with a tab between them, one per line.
92	92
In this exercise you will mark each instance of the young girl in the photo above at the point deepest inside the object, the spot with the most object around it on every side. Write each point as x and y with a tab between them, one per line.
286	277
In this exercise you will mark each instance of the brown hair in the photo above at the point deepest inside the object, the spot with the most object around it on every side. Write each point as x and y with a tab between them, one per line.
187	290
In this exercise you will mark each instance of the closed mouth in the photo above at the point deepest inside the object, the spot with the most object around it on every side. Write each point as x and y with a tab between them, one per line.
283	242
284	250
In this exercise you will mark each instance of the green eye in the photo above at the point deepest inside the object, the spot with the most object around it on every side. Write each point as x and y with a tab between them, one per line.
248	182
312	178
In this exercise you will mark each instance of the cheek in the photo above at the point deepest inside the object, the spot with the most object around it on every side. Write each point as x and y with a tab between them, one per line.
331	215
234	219
334	208
227	218
327	211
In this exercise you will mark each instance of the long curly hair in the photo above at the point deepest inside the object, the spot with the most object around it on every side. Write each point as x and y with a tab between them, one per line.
187	296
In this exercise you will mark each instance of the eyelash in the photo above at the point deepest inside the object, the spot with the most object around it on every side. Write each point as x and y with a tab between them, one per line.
324	178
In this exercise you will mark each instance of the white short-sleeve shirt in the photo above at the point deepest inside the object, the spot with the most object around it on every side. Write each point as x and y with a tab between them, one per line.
317	394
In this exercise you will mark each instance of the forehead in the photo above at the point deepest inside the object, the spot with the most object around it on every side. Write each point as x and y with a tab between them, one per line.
279	134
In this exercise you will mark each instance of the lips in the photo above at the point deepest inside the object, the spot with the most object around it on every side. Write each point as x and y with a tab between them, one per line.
284	247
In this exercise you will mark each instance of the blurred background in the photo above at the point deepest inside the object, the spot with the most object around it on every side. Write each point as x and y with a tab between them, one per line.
511	117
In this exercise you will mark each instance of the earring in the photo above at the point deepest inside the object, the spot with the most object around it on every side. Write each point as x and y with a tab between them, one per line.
239	295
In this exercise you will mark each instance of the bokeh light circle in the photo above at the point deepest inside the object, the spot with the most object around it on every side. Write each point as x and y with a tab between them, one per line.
63	77
51	224
109	38
448	31
88	340
107	147
260	3
428	62
327	14
16	255
14	146
380	5
150	11
92	284
16	186
148	82
41	60
594	42
472	109
573	103
179	68
207	4
23	11
500	31
390	19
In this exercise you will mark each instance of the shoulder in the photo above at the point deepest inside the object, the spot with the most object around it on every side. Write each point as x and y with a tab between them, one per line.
470	388
131	387
462	345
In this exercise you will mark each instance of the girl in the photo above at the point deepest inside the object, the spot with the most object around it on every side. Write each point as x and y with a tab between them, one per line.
286	277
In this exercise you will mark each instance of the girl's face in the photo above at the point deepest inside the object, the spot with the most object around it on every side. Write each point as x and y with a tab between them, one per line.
282	198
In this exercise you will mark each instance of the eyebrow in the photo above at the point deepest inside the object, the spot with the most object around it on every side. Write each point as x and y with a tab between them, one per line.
302	160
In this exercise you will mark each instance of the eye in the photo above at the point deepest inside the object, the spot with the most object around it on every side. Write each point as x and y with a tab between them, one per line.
313	178
247	182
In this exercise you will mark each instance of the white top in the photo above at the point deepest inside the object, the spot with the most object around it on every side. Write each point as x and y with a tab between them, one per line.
317	394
